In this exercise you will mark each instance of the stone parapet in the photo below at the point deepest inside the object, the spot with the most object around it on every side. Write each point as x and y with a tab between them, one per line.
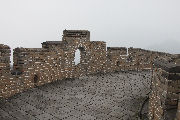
165	90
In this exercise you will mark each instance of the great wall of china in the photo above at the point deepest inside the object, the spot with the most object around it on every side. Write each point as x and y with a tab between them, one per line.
55	61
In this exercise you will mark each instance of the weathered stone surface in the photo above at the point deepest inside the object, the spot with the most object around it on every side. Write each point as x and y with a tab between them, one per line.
115	96
55	61
167	66
164	96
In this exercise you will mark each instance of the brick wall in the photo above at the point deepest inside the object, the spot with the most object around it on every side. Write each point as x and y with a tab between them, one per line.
55	61
4	59
121	58
165	88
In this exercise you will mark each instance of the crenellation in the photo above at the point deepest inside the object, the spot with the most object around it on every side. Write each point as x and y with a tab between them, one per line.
34	67
84	35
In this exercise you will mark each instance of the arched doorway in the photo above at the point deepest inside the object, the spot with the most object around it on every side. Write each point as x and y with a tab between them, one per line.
77	56
80	62
118	63
80	56
117	66
35	80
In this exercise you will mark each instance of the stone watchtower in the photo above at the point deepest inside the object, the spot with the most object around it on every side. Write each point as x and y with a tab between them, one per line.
92	53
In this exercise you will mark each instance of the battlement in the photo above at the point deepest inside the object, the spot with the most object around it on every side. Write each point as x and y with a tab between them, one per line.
55	61
117	50
4	58
51	45
69	35
76	33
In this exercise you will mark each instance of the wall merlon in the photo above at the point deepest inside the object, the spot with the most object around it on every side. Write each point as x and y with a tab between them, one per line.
5	53
70	35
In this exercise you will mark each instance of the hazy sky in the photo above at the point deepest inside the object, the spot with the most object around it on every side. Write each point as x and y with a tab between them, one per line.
149	24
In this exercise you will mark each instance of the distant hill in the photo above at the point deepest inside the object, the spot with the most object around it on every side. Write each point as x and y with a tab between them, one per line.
172	47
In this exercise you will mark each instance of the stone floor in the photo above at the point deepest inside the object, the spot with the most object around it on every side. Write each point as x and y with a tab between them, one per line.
116	96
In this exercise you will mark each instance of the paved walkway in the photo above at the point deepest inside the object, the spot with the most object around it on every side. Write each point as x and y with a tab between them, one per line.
114	96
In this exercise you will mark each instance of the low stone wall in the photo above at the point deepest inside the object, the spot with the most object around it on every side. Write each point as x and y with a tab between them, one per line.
121	58
165	90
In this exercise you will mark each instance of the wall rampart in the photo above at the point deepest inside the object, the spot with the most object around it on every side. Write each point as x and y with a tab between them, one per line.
55	61
164	96
121	58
